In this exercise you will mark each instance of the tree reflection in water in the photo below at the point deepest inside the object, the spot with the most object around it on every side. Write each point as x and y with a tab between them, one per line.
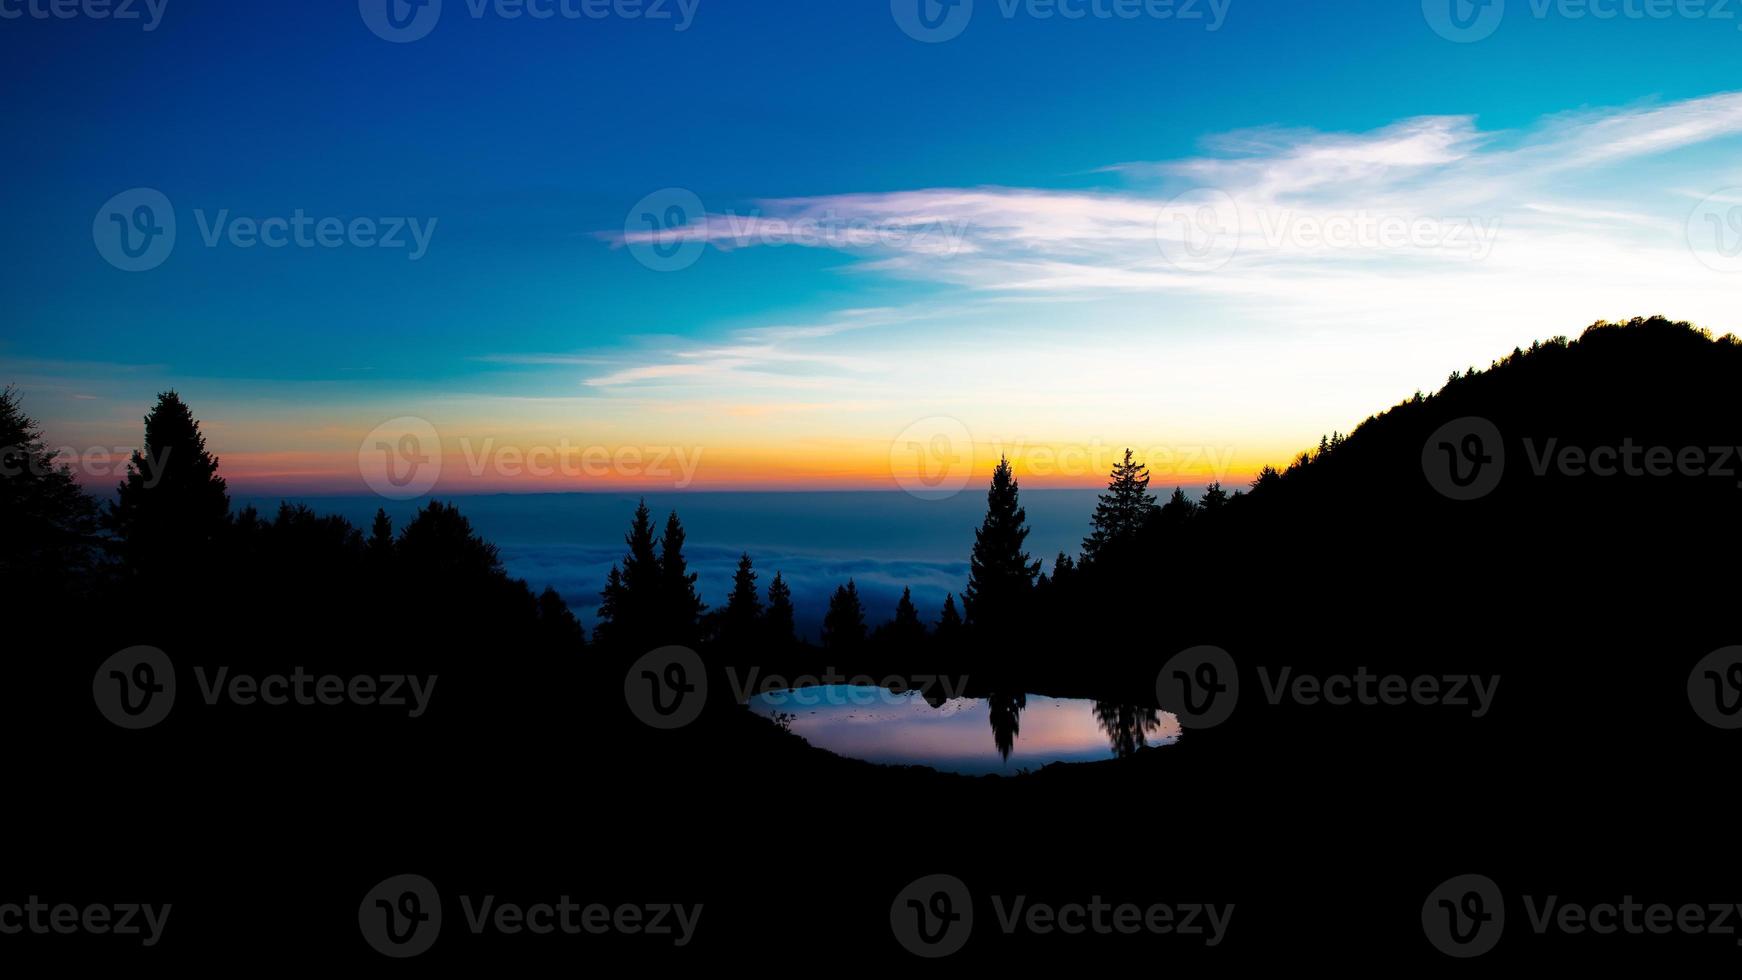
1127	725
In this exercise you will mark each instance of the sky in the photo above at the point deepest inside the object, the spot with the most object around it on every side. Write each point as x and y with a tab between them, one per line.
861	244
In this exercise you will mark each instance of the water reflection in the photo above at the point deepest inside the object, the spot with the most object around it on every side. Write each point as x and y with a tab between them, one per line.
1028	730
1006	712
1127	725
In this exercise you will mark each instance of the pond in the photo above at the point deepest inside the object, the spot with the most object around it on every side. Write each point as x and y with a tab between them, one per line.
1001	734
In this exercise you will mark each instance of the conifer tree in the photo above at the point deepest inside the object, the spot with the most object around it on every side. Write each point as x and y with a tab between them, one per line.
949	620
172	506
777	622
1121	511
1000	574
743	614
906	628
48	525
381	536
680	606
1214	499
844	624
612	628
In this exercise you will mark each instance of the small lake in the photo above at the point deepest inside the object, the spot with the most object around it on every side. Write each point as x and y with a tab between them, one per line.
975	736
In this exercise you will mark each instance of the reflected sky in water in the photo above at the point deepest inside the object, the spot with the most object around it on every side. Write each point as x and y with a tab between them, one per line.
959	735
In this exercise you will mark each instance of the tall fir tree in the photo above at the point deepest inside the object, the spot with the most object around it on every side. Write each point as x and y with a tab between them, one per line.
844	623
629	605
48	524
680	604
381	537
777	622
1000	574
949	620
173	507
905	629
741	620
1121	511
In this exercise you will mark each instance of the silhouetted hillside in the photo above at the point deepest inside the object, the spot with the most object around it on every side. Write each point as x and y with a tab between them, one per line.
1449	542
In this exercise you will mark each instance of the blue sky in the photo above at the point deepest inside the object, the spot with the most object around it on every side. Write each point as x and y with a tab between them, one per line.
525	144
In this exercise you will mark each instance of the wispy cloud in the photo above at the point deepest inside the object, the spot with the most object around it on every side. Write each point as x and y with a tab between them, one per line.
1309	217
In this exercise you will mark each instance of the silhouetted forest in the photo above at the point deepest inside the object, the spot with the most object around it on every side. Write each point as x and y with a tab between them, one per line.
1589	596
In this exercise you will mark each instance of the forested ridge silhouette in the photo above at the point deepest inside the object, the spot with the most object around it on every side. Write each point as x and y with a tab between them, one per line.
1590	598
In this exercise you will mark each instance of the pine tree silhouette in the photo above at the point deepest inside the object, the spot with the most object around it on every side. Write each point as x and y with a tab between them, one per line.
905	631
381	538
680	605
844	623
173	507
949	626
48	525
777	622
1120	512
1000	574
742	619
630	604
